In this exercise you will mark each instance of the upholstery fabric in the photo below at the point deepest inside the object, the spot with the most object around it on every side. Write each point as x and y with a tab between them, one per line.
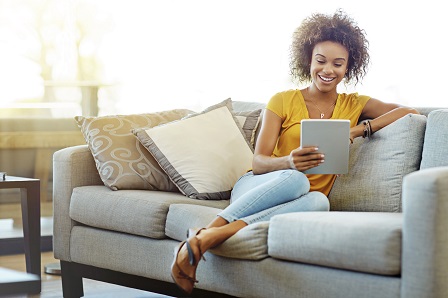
239	106
137	212
250	106
73	167
377	166
435	150
359	241
249	121
241	278
203	162
122	252
247	114
250	243
182	217
425	241
122	162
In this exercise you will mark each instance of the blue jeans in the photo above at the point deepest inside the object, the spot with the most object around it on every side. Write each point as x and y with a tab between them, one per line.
259	197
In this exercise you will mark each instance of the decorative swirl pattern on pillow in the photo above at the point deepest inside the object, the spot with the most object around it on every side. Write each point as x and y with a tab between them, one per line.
122	162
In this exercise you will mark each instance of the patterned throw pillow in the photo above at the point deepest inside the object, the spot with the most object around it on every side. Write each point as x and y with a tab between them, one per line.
122	162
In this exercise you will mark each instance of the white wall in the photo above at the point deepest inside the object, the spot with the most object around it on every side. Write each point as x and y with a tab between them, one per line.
192	53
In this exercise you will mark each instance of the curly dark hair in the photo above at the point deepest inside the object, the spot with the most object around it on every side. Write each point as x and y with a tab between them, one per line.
339	28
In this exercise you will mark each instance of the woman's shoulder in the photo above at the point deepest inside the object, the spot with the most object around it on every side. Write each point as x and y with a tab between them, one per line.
289	92
351	102
287	95
282	102
353	97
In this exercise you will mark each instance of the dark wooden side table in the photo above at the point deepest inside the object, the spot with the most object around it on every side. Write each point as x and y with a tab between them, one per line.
30	202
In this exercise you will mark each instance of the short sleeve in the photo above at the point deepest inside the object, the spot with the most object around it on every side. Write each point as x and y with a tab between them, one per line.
275	105
363	99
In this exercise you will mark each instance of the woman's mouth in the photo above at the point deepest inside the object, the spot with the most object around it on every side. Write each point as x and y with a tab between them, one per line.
326	79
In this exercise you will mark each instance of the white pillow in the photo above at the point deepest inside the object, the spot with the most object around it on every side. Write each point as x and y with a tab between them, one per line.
204	154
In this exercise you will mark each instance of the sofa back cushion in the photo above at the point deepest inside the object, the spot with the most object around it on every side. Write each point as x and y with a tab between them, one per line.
239	106
377	166
435	147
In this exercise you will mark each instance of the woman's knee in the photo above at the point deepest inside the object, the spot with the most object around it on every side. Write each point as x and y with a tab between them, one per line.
315	201
298	180
321	202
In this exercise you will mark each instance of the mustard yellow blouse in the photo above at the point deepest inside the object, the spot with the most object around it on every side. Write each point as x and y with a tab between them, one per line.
290	107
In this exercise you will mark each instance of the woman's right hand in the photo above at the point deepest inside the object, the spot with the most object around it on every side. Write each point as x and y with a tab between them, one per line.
305	158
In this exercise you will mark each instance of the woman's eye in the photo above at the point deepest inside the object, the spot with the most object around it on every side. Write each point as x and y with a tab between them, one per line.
320	61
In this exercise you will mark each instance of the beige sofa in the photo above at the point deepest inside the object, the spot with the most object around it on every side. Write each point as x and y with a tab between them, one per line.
384	237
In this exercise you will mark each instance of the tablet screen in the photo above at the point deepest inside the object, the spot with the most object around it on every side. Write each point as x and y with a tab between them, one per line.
332	137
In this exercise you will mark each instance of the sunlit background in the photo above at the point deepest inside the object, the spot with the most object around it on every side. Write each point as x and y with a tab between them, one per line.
144	56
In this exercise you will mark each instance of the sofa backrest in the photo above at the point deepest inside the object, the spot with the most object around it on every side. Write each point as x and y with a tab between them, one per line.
244	106
376	185
378	165
435	148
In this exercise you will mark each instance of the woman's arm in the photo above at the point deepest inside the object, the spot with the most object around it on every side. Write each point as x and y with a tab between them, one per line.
263	162
382	114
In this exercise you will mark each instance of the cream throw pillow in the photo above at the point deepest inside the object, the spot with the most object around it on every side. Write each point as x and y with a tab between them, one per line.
122	162
204	154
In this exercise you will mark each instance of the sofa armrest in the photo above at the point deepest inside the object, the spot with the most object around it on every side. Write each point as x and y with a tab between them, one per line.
72	167
425	239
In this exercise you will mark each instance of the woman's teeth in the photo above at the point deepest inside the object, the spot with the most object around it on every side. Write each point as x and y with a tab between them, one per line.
326	79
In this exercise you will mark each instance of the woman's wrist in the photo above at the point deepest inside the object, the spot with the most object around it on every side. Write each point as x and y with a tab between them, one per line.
291	162
356	131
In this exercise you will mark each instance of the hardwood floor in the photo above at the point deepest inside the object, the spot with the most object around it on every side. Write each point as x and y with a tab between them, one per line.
52	286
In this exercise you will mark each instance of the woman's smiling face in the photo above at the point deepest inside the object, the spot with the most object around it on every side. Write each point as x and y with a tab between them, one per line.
329	64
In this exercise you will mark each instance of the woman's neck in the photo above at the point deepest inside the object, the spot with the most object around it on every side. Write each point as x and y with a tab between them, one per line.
319	104
312	93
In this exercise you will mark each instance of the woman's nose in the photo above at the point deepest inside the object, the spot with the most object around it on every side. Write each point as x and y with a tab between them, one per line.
327	69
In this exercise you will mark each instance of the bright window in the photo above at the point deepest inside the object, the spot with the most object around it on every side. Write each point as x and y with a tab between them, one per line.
155	55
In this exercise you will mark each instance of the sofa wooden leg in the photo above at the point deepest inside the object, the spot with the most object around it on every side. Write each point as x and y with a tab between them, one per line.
71	281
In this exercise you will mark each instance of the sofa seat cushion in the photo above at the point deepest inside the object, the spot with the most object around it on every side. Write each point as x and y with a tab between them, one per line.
250	243
359	241
138	212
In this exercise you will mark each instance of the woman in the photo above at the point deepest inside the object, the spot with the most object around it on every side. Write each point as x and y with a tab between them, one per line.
326	49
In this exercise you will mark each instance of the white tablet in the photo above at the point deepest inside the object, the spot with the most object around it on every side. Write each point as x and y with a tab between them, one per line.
332	137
